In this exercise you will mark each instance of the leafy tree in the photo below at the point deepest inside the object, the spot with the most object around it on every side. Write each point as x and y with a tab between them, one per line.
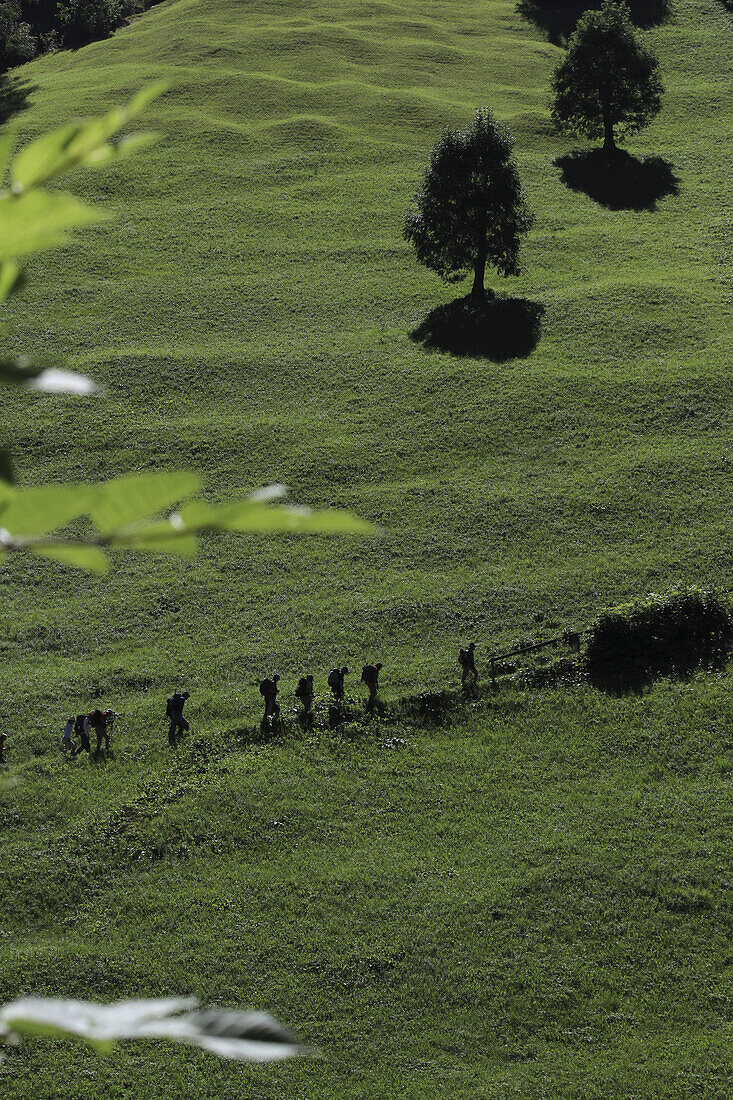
471	208
82	21
607	79
43	17
17	43
30	27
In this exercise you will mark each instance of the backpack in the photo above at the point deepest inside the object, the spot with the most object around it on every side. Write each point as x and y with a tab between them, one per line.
170	707
265	687
302	688
334	678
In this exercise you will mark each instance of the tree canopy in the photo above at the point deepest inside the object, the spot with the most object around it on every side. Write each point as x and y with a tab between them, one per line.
607	81
17	44
32	27
471	209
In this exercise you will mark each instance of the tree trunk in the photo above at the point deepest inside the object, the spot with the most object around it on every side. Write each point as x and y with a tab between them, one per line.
609	143
478	291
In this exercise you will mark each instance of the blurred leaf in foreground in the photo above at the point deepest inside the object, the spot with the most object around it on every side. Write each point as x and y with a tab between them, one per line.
126	512
255	514
125	500
80	143
227	1033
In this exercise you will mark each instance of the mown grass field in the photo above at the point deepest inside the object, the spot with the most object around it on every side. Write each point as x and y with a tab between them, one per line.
533	901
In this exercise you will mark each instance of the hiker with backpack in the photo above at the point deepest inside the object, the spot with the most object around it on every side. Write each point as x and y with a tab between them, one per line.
370	677
82	726
336	682
304	692
174	711
96	720
269	690
67	741
102	722
467	661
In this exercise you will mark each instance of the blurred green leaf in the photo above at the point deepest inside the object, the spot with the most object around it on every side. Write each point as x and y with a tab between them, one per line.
130	499
37	511
7	144
38	220
11	279
125	147
162	538
146	96
18	372
45	157
125	508
80	143
89	558
7	472
7	492
253	515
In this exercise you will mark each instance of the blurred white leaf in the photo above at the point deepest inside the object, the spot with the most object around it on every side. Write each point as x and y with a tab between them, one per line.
98	1024
251	515
267	493
246	1036
53	380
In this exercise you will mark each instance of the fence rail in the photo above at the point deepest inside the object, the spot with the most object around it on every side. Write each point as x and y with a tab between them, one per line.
570	638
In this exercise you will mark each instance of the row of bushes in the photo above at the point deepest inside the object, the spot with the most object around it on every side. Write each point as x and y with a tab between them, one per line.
32	27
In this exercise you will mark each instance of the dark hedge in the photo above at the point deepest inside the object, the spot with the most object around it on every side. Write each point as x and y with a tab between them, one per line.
667	635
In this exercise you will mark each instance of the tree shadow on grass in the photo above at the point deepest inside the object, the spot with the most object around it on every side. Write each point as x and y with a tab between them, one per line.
557	18
557	22
630	680
619	182
15	96
499	328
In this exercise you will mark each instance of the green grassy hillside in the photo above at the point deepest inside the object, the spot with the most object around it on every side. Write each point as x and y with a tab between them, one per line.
532	902
249	313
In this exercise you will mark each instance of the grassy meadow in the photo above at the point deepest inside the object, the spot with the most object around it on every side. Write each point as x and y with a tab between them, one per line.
533	900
